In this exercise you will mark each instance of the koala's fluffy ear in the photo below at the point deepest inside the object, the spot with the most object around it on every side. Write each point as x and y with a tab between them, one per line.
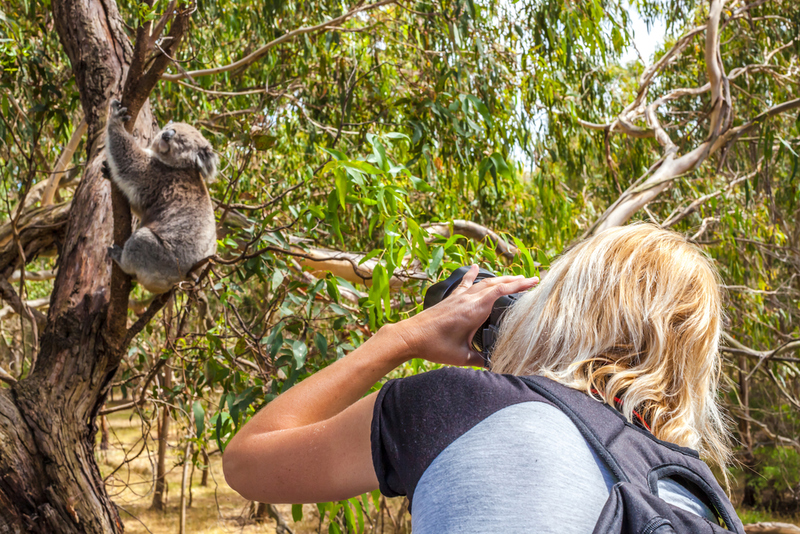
207	162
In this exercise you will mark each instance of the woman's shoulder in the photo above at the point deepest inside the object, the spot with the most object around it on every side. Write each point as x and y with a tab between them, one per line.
456	386
466	375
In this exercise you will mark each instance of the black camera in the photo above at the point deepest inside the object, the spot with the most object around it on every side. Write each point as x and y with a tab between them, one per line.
485	337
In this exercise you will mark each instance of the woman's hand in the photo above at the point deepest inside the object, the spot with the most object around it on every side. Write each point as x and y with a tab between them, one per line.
443	333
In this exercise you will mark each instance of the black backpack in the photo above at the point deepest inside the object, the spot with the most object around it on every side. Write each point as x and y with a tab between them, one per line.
638	461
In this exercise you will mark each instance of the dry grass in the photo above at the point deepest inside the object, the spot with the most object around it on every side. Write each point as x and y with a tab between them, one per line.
215	509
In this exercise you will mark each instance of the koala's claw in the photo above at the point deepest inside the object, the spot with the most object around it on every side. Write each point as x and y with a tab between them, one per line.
118	112
106	170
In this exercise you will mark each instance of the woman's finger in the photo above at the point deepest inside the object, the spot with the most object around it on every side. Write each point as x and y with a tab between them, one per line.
480	286
466	280
515	285
497	280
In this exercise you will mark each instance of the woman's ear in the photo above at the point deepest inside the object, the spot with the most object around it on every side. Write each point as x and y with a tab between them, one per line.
207	162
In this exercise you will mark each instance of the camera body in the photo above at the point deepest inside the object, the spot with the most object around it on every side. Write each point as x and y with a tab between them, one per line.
485	337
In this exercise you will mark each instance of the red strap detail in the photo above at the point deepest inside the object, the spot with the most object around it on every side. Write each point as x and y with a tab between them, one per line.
619	401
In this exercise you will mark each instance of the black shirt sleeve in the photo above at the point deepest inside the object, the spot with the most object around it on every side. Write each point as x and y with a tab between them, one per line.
417	417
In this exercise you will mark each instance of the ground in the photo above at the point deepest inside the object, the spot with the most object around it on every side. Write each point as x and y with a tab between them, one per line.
215	509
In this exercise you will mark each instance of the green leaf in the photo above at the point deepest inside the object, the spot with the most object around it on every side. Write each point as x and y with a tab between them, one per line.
199	418
340	156
342	184
380	154
359	513
299	352
297	512
372	254
421	185
277	279
362	166
501	166
332	288
322	345
482	109
543	259
436	259
332	215
376	498
264	141
349	518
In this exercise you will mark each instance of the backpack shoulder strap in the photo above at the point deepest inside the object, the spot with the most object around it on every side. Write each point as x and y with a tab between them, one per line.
592	418
643	458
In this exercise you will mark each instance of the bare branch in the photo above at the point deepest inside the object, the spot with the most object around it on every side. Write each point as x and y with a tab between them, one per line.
21	308
61	165
261	52
36	276
162	22
592	125
155	306
34	304
732	134
675	218
7	378
763	356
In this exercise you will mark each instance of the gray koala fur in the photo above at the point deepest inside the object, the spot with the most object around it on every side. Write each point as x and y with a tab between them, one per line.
164	185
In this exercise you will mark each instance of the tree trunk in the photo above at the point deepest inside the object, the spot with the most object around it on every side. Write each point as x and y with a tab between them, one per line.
185	484
206	469
163	436
745	435
49	480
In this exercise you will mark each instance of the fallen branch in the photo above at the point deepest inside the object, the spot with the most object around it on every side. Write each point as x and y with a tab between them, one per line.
475	232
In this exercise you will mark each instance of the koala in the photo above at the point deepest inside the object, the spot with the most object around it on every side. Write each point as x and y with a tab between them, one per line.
164	184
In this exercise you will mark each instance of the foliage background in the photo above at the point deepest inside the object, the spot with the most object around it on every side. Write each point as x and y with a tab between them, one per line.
361	137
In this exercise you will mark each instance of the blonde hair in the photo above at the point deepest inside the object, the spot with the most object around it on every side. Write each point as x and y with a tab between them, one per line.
635	313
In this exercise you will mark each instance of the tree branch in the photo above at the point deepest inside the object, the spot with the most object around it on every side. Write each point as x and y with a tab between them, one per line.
155	306
261	52
474	231
61	165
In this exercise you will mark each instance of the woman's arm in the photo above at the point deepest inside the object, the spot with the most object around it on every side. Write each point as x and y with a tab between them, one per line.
312	443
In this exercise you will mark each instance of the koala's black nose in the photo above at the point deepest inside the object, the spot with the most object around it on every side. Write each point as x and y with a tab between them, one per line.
168	134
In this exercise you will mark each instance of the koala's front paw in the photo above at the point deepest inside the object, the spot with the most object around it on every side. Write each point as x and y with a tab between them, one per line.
118	112
115	253
106	170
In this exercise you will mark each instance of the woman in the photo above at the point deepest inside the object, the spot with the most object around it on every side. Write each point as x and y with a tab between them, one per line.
630	317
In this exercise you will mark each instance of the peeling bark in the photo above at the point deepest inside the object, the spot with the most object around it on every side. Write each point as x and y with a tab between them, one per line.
49	480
